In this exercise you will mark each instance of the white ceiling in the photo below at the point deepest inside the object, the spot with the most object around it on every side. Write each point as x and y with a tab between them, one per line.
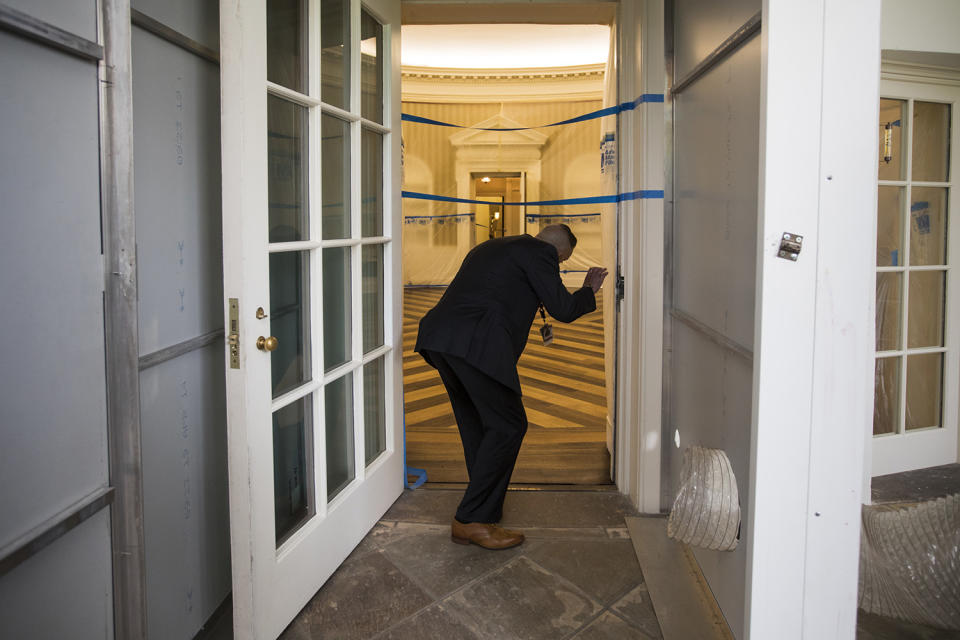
504	46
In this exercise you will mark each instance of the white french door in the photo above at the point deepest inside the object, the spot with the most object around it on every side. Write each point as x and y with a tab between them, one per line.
311	187
917	368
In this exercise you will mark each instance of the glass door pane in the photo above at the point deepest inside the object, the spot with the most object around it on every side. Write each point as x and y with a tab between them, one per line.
292	467
928	226
925	316
341	466
337	308
287	168
371	181
290	320
335	52
372	286
924	389
890	226
889	299
374	409
371	67
886	404
336	177
287	44
931	141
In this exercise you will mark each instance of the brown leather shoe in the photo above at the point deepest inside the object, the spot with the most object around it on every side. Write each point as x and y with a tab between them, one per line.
488	536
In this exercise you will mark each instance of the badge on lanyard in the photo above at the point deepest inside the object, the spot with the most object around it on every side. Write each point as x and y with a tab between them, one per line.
546	331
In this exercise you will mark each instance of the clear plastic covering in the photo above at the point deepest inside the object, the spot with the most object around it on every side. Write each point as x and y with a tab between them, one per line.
910	562
706	511
435	245
495	169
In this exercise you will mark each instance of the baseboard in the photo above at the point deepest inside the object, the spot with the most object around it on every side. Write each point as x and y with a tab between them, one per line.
681	598
211	628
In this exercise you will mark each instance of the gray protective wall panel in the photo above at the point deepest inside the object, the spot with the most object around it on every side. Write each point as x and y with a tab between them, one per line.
176	120
186	516
64	591
702	25
76	16
716	162
715	204
52	396
196	19
712	408
176	105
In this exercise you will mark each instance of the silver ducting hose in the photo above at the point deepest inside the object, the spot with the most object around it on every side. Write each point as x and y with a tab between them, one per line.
706	511
910	562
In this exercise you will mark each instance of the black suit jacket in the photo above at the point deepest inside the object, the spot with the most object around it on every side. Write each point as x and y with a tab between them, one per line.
486	313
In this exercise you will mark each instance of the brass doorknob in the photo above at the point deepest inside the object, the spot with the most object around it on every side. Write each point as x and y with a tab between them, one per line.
267	344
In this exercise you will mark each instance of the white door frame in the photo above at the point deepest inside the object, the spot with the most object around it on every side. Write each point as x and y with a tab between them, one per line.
640	144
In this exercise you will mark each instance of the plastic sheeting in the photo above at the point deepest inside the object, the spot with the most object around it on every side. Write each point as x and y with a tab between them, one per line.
910	562
435	245
556	163
706	511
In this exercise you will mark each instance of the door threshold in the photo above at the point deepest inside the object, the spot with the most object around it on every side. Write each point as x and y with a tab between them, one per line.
460	486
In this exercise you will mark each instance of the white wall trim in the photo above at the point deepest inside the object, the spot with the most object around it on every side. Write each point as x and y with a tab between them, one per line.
813	368
641	148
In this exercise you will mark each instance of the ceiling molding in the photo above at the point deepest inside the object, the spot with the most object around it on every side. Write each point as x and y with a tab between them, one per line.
915	72
439	85
537	73
509	12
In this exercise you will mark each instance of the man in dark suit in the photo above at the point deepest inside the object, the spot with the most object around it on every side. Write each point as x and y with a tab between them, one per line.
474	337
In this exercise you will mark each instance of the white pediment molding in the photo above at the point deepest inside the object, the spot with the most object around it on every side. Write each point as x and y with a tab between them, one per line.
557	84
476	136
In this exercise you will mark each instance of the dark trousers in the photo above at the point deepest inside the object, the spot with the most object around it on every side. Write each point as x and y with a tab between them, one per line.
492	424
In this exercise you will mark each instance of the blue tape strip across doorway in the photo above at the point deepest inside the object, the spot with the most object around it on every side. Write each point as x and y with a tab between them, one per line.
644	194
630	105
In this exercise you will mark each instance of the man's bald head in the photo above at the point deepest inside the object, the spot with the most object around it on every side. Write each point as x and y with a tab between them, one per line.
560	236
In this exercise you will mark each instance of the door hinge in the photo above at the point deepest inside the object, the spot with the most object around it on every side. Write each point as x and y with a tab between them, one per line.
790	245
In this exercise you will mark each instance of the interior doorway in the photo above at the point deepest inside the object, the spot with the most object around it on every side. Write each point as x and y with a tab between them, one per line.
497	151
498	220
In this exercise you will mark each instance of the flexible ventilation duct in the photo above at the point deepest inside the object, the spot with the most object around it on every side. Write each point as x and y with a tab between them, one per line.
706	512
910	562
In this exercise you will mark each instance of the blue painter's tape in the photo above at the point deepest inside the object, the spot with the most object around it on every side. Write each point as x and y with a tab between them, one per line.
421	477
630	105
446	215
554	215
643	194
421	474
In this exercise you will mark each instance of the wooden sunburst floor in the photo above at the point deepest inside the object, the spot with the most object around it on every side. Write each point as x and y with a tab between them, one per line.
564	393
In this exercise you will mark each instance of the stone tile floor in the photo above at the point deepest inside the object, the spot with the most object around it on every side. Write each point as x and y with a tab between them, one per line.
576	576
